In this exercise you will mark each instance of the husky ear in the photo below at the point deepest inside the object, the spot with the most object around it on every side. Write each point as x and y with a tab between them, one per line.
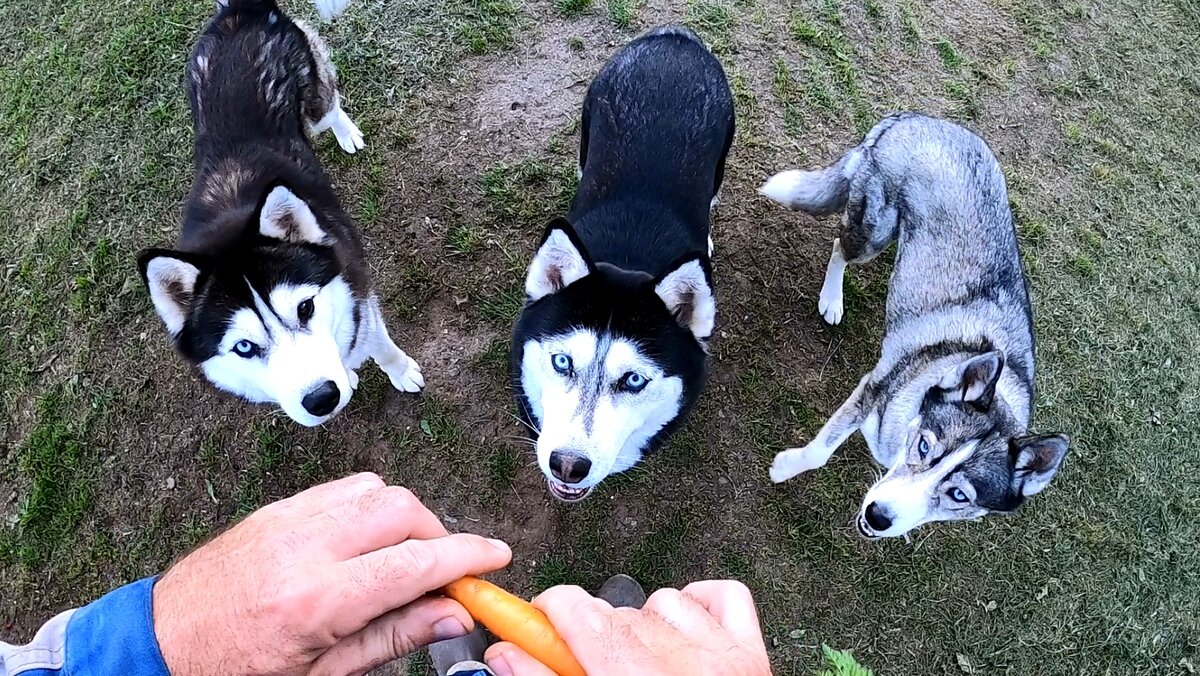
687	291
1036	460
170	278
560	262
285	216
974	380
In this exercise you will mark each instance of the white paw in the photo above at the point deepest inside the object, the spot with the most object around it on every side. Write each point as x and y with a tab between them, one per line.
348	135
353	379
795	461
831	307
406	377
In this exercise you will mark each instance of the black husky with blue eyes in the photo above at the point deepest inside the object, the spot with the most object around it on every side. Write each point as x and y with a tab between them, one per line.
609	353
269	293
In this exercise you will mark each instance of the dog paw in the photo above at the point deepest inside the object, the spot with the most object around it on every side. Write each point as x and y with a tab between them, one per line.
407	376
349	137
353	376
795	461
831	308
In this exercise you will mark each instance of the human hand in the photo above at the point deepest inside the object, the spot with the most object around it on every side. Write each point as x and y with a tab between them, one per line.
708	628
330	581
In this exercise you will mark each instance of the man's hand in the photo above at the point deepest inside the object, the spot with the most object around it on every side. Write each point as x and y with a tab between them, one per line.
709	628
330	581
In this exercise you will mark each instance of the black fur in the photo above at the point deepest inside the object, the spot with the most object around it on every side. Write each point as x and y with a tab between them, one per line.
658	122
253	82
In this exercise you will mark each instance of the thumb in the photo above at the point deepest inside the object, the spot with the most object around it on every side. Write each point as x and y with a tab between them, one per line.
507	659
395	635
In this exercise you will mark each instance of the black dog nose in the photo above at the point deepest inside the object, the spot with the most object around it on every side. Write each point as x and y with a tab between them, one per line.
878	517
568	467
322	399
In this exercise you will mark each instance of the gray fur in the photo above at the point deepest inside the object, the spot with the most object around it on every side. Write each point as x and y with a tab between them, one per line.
957	361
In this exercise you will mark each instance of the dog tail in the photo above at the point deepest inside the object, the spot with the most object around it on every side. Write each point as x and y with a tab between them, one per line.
820	192
326	9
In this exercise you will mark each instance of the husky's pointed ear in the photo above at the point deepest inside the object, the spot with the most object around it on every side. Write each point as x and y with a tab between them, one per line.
287	217
974	380
560	261
1036	460
687	290
170	277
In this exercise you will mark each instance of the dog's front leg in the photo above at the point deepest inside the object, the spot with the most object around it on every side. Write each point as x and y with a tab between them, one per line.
400	368
846	421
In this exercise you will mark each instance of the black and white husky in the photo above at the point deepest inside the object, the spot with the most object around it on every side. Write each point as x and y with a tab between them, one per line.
269	293
945	410
609	353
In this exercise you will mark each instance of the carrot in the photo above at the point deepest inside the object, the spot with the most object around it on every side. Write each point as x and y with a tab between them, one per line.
515	620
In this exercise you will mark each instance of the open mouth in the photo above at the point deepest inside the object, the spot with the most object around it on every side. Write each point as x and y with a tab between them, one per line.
864	529
566	493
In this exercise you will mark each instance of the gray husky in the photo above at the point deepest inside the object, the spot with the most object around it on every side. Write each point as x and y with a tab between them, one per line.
946	408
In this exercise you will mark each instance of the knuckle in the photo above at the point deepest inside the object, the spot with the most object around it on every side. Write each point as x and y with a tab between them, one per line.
663	599
413	561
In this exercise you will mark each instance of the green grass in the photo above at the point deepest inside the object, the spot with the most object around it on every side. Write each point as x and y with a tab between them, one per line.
572	8
622	12
1096	576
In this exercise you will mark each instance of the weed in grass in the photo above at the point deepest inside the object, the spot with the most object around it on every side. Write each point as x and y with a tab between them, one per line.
909	26
529	190
438	423
555	571
496	355
841	663
572	8
1084	265
963	94
56	463
418	287
838	56
656	560
1073	133
714	21
575	43
487	25
464	240
949	55
502	308
621	12
503	464
874	10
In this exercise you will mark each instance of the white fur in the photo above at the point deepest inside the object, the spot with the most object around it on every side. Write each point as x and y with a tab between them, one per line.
687	287
557	265
908	498
784	186
348	135
162	273
296	359
327	9
622	423
287	217
831	304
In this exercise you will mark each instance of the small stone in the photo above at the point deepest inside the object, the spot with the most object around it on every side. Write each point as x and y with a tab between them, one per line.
796	634
170	483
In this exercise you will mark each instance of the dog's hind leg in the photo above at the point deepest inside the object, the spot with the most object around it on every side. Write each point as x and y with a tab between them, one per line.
869	225
322	101
401	369
846	421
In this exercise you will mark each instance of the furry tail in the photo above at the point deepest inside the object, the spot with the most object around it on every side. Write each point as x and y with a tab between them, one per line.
820	193
326	9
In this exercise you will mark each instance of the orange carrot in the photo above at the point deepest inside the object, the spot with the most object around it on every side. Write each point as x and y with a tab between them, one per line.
516	621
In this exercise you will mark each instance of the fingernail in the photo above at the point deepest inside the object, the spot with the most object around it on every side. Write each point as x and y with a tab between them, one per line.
448	628
501	545
499	665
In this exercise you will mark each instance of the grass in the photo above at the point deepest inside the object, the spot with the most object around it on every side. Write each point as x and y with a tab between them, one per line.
1098	575
572	8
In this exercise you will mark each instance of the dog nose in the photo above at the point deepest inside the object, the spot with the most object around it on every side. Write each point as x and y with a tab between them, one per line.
321	400
878	517
569	467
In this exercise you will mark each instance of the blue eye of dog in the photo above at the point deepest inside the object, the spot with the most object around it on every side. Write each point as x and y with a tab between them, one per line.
245	349
957	495
923	447
562	363
633	382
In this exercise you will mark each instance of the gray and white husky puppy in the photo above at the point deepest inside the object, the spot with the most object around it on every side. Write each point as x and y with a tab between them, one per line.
945	410
269	292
